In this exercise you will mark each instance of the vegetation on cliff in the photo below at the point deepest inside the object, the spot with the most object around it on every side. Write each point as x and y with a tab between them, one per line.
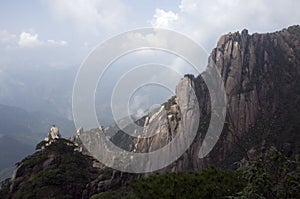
58	171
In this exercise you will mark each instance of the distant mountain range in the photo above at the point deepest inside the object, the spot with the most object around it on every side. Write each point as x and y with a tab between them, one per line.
11	151
20	130
43	89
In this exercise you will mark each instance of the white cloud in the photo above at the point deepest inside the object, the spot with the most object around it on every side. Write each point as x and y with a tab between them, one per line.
93	16
163	19
29	40
57	42
205	21
142	39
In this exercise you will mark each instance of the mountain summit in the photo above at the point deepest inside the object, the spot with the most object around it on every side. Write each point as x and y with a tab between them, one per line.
261	75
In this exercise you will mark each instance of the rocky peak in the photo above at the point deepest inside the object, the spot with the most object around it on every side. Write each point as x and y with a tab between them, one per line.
254	65
261	79
53	134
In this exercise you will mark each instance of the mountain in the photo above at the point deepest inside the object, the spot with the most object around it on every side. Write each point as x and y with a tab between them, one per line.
261	79
261	75
11	151
58	171
29	127
32	88
20	130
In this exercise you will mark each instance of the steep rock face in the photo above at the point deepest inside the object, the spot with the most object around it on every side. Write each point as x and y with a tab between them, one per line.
252	66
178	117
261	75
171	119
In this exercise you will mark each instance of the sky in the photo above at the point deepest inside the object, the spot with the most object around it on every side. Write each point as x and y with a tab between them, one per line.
56	35
69	29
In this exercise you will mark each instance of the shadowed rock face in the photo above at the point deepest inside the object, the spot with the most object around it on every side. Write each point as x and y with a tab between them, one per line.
258	70
261	74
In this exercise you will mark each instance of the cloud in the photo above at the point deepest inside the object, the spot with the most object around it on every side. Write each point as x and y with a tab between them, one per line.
205	20
164	19
27	39
92	16
57	42
28	50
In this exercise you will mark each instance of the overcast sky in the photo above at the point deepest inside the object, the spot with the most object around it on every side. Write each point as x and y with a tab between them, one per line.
59	34
69	29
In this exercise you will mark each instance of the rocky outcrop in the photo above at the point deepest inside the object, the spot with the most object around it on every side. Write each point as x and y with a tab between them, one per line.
261	74
261	77
57	171
109	179
53	134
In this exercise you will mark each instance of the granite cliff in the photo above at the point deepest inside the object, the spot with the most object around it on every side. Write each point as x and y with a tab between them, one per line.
261	75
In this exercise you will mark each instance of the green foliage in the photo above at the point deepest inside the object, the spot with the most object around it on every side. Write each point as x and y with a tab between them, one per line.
169	103
55	172
210	183
40	145
4	189
62	146
272	175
